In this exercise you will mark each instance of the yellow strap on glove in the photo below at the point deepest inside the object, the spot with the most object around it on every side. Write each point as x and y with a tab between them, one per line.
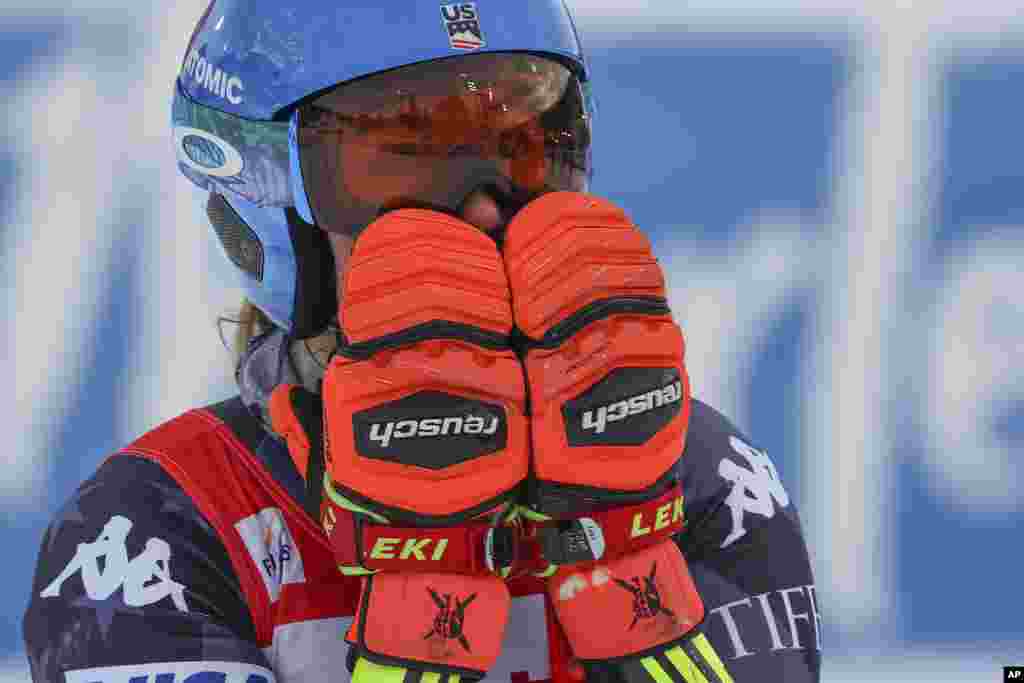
368	672
691	661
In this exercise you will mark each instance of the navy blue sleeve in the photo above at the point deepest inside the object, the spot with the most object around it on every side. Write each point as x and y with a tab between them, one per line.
746	551
132	581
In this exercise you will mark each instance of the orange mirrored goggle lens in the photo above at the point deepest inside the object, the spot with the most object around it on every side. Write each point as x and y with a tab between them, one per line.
430	134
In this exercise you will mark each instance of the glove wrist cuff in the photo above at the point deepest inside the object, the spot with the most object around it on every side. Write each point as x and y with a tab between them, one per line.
627	606
441	622
365	540
609	532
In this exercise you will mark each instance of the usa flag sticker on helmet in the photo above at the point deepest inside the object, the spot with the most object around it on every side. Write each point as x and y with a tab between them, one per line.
462	23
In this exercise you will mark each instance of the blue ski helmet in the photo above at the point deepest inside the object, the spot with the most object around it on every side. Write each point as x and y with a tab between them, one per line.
265	92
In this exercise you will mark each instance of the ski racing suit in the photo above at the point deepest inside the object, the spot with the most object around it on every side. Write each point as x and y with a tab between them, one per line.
188	557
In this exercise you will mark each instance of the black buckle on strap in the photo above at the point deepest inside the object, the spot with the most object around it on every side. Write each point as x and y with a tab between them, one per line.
570	541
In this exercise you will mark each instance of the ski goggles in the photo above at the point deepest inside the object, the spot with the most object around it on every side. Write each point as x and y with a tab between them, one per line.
514	125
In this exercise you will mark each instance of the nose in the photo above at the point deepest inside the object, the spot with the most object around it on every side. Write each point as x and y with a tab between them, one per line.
481	210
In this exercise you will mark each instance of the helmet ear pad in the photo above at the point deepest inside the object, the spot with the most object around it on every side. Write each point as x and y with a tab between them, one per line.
316	291
285	264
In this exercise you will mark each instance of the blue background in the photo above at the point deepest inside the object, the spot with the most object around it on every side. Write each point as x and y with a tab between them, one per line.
696	133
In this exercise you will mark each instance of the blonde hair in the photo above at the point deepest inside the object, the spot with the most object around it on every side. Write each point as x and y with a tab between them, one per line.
252	322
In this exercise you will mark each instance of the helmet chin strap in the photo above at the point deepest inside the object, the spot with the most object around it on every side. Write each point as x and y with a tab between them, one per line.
315	302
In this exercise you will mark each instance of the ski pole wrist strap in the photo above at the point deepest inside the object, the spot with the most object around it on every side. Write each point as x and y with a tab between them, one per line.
482	547
608	532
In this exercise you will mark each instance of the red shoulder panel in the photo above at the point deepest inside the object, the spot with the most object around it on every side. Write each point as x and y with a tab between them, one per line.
280	555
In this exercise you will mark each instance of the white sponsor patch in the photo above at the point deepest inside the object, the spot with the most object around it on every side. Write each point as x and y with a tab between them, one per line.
173	672
270	544
145	578
756	490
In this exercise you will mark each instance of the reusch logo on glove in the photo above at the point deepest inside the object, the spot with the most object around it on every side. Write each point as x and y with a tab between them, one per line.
626	408
430	429
383	432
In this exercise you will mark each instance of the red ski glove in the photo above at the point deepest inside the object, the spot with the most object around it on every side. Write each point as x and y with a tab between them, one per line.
425	444
610	402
